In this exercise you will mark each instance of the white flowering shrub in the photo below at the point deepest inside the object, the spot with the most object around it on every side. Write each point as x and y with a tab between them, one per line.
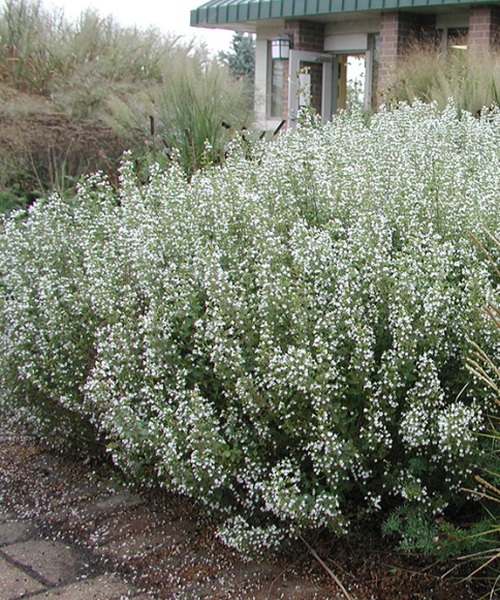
282	338
47	321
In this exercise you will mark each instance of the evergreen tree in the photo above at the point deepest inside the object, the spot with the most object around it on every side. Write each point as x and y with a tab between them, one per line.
241	57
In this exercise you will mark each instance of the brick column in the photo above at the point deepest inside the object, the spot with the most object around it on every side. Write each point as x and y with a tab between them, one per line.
484	28
397	30
307	35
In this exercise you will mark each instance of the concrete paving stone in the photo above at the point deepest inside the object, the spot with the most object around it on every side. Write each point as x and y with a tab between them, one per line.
103	507
53	561
120	501
49	467
252	580
138	520
63	505
14	583
293	589
106	587
259	581
141	544
14	531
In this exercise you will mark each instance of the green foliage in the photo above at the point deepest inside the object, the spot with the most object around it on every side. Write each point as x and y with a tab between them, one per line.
415	528
10	200
470	78
241	57
283	337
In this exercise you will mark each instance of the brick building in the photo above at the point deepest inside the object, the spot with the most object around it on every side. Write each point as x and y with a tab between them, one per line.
303	46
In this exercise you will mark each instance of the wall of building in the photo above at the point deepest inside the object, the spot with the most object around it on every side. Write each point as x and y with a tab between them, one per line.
484	27
262	76
395	31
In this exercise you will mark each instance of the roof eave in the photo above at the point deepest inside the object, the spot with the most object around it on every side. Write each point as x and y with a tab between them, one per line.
244	15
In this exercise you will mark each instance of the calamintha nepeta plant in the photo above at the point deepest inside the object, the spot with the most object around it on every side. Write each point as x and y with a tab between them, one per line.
282	338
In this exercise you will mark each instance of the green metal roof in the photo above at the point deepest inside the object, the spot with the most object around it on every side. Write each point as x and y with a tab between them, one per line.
220	12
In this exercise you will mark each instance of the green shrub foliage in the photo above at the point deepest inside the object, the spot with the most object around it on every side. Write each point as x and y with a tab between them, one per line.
283	337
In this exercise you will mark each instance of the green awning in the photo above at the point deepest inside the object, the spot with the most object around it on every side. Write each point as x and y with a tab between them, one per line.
218	12
222	12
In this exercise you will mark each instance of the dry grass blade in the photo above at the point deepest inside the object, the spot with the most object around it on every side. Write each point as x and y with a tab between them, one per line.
491	236
427	74
327	569
474	367
487	485
492	312
481	495
480	373
486	253
477	554
494	308
484	565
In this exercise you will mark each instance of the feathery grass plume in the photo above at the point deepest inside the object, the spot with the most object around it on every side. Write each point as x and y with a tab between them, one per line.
189	109
31	40
79	64
470	78
131	78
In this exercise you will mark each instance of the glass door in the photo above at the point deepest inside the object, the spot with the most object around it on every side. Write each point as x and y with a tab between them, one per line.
310	84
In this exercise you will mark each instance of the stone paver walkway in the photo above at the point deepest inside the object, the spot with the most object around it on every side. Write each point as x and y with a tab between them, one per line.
32	566
34	562
68	535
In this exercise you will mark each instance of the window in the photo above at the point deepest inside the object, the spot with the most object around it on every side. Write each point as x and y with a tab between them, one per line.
453	39
372	73
277	85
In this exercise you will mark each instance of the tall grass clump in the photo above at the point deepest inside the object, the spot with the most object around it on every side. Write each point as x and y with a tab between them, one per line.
284	337
480	542
78	65
191	117
30	41
83	65
471	78
169	100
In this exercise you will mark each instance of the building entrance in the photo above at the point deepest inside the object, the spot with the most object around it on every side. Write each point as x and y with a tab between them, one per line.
326	83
